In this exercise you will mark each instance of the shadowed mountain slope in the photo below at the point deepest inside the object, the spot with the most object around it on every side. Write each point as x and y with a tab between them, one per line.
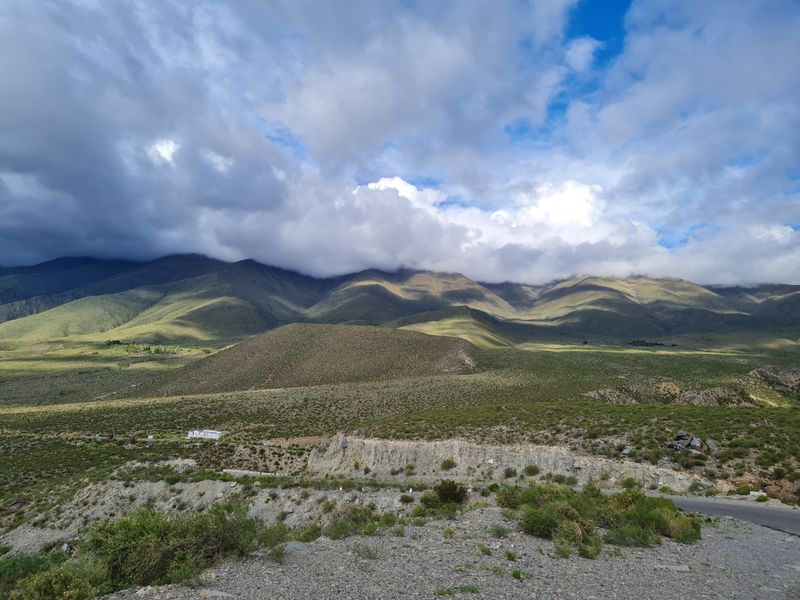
190	298
310	354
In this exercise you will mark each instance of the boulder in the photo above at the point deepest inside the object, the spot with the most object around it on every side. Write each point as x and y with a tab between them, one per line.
713	445
678	444
297	548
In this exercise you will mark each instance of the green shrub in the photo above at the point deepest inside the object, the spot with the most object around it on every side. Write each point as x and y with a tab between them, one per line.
680	528
631	535
591	547
563	549
443	592
406	499
347	521
309	533
569	532
430	500
447	464
55	583
540	522
450	491
277	553
532	470
507	497
16	568
498	531
272	535
509	472
147	547
631	483
570	517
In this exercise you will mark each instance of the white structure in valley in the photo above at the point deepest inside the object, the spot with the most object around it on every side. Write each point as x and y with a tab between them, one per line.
206	434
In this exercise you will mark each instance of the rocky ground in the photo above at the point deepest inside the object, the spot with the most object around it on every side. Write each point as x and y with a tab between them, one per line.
479	554
462	558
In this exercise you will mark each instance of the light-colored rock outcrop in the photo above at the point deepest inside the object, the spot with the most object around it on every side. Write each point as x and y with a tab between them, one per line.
386	458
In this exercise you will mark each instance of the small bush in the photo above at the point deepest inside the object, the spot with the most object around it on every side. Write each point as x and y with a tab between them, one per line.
540	522
569	532
509	472
55	583
532	470
364	551
450	491
563	549
430	500
590	548
443	592
16	568
347	521
406	499
498	531
277	554
508	497
272	535
309	533
447	464
631	483
631	535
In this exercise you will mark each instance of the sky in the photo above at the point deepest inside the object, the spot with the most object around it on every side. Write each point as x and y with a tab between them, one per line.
522	140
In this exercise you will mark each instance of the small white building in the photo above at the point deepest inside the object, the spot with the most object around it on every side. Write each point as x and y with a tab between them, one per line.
206	434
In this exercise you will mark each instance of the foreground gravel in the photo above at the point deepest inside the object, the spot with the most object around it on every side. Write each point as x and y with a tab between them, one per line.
734	560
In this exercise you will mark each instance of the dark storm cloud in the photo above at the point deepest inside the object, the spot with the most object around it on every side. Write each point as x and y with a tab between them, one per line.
249	129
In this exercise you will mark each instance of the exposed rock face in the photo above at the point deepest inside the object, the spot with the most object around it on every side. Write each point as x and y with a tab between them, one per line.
782	379
385	458
669	393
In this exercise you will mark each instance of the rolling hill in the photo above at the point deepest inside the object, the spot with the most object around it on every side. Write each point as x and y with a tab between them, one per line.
195	299
311	354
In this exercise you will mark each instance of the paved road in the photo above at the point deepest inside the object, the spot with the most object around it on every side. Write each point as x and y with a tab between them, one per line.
784	519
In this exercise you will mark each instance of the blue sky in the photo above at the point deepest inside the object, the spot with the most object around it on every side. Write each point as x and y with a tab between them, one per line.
517	140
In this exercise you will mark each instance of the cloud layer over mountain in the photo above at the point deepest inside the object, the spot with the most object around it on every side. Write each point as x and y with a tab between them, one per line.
506	140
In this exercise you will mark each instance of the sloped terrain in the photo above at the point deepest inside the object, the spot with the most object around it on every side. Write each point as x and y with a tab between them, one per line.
302	354
190	298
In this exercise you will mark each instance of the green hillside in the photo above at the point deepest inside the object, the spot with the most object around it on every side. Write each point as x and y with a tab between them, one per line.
304	354
85	316
191	298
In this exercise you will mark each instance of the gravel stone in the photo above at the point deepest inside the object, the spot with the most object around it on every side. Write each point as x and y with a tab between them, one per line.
733	560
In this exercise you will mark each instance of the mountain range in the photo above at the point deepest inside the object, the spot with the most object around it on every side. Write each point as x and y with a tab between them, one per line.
192	298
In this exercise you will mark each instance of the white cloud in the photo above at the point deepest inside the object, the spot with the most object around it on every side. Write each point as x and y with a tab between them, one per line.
580	53
217	161
676	157
162	151
425	198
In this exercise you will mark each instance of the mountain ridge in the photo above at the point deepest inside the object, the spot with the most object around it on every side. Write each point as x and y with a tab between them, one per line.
190	297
